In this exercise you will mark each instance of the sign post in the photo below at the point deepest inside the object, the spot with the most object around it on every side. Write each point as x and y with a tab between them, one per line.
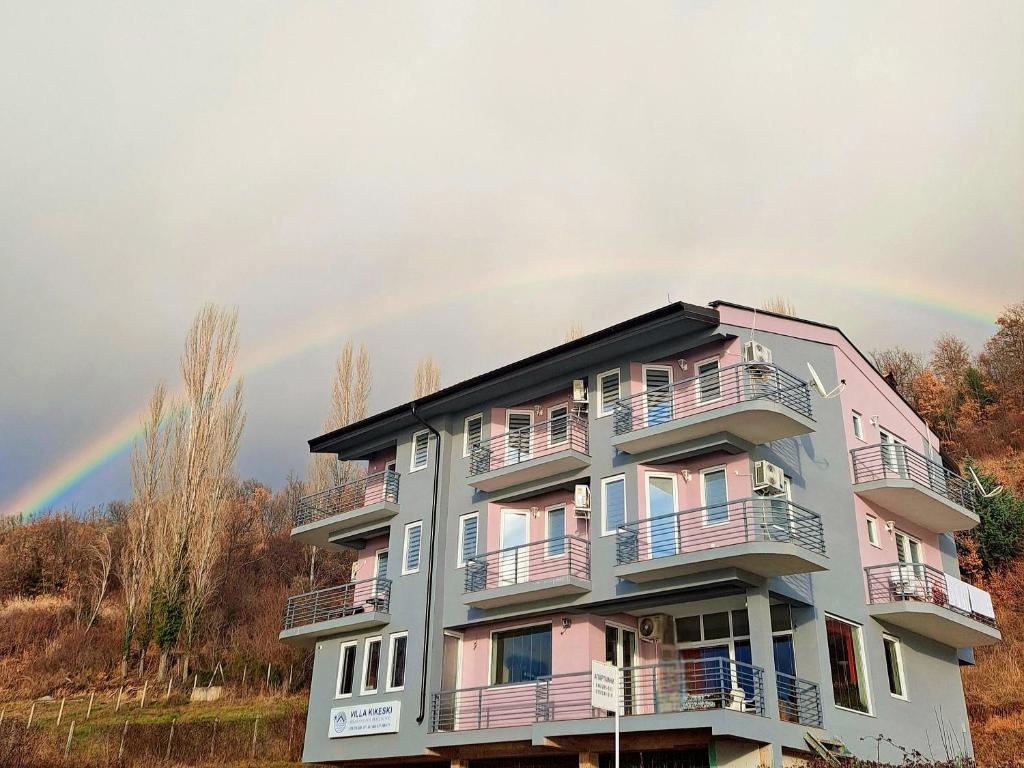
606	693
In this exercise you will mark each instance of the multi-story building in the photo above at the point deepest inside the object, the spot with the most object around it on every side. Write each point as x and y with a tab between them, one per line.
765	560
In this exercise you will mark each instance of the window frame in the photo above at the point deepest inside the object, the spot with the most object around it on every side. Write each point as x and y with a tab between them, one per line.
406	571
466	448
547	530
393	639
858	425
376	561
379	639
717	359
603	408
493	651
657	474
551	419
912	543
606	481
872	531
859	636
412	458
724	469
342	648
460	562
901	669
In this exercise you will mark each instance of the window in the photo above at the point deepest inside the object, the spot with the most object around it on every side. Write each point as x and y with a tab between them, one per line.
371	665
413	533
419	450
858	426
468	526
908	550
555	531
398	644
518	436
347	669
521	655
846	659
607	392
894	666
714	496
558	425
613	503
380	566
894	458
658	386
472	433
709	386
662	522
872	523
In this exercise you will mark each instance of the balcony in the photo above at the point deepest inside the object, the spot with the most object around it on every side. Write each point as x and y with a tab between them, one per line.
765	536
910	484
758	403
346	608
540	570
347	508
799	700
697	686
931	603
541	450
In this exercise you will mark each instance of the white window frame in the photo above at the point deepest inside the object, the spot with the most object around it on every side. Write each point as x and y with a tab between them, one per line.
391	466
603	408
341	668
912	544
363	690
458	655
376	561
858	425
605	481
704	498
459	561
886	637
553	408
563	508
392	639
412	458
643	382
465	433
675	503
872	529
493	652
864	662
697	379
405	549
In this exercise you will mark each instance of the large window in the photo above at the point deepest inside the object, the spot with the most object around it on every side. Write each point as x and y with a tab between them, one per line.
715	496
420	443
607	392
347	669
613	503
846	659
558	425
555	531
398	644
709	385
521	655
371	665
472	434
413	535
894	666
468	527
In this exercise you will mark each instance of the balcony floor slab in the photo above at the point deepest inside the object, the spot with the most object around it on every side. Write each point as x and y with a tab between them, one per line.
936	622
767	558
527	471
308	634
526	592
321	532
918	504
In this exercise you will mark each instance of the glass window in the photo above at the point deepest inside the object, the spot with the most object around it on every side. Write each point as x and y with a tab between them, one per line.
688	629
521	655
894	666
785	658
558	425
556	532
715	497
613	503
472	434
858	426
468	525
740	623
608	392
661	509
347	669
716	626
396	661
846	659
419	450
413	534
708	381
371	665
782	618
872	525
381	565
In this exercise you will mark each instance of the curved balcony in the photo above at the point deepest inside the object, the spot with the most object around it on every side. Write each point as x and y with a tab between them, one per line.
910	484
931	603
346	608
554	567
541	450
762	535
756	402
692	686
322	518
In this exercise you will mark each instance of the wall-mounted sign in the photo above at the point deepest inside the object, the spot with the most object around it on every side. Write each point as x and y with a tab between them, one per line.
364	719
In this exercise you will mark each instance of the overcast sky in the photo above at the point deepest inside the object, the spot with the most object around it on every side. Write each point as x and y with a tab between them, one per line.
466	180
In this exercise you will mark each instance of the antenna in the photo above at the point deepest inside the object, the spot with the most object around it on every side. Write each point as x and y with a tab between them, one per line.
825	394
981	488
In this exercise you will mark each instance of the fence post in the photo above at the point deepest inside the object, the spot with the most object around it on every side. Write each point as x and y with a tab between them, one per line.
268	679
170	679
195	682
124	732
60	714
291	730
31	712
291	668
255	725
88	712
245	671
170	739
142	701
2	713
67	744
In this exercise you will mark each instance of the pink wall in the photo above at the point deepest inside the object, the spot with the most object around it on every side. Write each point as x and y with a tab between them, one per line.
365	561
379	460
562	397
728	353
885	553
738	480
538	521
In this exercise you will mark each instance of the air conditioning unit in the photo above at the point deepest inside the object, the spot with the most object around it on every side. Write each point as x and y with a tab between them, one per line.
653	628
581	498
579	390
755	352
769	478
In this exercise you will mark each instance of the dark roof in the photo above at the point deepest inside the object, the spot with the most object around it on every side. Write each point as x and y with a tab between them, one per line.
394	418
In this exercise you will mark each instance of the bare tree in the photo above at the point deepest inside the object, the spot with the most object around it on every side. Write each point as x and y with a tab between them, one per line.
780	305
901	365
428	377
951	359
99	573
575	331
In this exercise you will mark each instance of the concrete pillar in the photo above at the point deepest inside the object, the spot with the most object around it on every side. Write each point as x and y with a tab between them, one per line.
762	652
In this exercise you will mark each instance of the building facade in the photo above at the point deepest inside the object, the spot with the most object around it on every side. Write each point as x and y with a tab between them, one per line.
766	558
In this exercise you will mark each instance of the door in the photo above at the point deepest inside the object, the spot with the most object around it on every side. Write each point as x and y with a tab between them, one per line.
894	456
518	426
514	558
380	571
620	650
658	389
912	580
451	655
661	509
708	675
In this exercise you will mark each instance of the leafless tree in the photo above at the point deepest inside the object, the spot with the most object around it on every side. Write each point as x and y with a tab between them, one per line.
428	377
575	331
902	365
951	358
780	305
99	572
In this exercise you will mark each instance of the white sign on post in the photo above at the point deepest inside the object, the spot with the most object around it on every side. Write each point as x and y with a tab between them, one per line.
604	686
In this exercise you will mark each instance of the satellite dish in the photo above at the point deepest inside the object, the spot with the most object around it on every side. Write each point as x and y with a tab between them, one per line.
816	381
981	488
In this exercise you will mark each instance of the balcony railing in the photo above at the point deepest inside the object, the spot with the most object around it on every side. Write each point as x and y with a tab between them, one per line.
681	686
895	461
373	489
338	602
916	582
542	439
799	700
743	521
701	394
536	561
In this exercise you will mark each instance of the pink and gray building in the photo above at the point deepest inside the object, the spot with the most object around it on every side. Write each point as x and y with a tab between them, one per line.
770	562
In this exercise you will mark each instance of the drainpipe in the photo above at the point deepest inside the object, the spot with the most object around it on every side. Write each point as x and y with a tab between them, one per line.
430	562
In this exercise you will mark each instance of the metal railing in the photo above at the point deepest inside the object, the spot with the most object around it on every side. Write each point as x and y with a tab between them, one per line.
337	602
538	560
739	383
742	521
544	438
888	461
680	686
372	489
799	700
899	582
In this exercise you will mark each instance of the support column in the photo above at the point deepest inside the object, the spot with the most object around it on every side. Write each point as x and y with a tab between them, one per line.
762	654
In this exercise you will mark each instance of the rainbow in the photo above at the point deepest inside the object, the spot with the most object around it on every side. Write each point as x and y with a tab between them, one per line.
321	330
